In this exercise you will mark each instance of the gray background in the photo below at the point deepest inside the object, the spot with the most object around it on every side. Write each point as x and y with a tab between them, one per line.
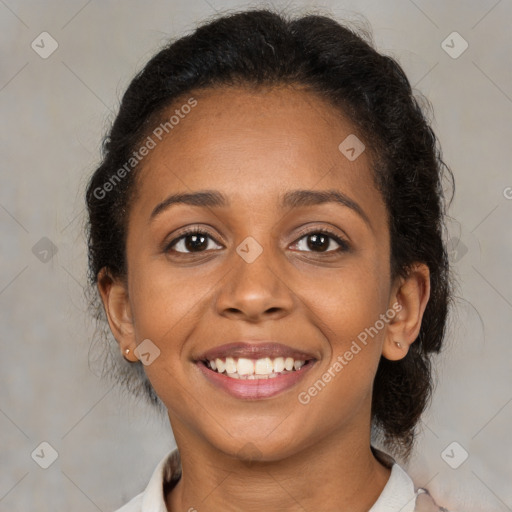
54	112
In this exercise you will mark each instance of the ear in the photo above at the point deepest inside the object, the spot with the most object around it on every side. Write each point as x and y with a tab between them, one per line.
409	300
114	295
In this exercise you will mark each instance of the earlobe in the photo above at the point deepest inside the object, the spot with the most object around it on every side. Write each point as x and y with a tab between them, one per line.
114	295
412	294
394	350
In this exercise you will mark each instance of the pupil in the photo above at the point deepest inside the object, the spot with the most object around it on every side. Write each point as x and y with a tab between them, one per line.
194	245
316	243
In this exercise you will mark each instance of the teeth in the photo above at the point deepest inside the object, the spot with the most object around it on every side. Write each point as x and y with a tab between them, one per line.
265	368
230	365
278	364
245	366
221	366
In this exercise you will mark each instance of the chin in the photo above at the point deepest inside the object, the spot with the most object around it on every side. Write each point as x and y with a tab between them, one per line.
259	448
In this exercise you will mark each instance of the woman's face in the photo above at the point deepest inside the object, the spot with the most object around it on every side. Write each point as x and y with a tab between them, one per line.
261	271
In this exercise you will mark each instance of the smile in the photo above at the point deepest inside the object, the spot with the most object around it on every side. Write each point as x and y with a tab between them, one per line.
254	371
250	369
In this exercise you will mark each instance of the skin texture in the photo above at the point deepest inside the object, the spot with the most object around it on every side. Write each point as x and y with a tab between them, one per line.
253	147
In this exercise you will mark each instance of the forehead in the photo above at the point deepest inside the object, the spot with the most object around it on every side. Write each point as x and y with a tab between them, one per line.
254	145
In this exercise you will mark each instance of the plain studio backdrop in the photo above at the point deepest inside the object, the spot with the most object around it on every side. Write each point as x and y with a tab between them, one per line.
64	66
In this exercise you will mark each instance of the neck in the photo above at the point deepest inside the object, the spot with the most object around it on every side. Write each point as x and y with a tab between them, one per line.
338	473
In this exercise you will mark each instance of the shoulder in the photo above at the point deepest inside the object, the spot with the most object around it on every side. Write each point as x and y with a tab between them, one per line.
401	492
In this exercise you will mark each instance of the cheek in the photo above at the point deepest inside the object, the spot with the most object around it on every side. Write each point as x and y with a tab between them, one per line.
165	310
166	306
350	302
350	318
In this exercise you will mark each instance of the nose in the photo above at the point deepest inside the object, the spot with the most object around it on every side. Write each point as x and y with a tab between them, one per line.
255	291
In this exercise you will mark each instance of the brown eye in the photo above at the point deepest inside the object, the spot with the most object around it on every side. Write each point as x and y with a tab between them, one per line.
321	241
190	242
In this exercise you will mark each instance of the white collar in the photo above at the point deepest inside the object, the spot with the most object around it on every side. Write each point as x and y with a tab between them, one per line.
398	494
154	497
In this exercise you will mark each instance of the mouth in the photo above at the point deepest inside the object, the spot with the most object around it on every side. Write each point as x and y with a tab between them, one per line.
252	371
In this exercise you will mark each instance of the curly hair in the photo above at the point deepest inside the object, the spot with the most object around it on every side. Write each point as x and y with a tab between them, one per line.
261	47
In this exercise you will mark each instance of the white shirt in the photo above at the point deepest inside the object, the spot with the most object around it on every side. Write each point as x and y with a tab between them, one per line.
398	495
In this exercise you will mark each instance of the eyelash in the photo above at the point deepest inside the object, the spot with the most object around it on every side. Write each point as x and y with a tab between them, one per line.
344	245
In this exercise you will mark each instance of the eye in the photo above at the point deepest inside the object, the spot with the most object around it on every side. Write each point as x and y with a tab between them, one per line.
191	241
320	241
195	240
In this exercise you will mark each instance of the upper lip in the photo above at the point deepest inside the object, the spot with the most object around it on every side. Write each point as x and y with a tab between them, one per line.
252	350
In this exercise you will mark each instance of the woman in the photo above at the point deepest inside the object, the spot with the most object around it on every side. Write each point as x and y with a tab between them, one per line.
266	237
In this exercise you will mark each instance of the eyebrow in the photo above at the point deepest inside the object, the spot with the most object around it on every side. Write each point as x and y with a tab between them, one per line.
292	199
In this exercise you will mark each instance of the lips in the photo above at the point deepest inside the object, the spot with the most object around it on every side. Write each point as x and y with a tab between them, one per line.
255	371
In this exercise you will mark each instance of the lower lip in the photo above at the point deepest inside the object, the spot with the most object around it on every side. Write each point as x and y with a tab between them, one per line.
257	388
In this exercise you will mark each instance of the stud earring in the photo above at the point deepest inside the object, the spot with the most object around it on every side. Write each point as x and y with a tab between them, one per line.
127	351
398	344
